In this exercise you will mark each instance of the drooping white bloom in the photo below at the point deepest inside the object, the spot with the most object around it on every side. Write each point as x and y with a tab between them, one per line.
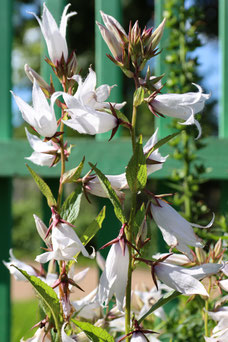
111	33
40	336
15	262
138	337
177	232
224	284
65	243
156	156
41	116
176	259
181	106
119	182
186	280
220	336
64	336
85	107
220	316
149	298
44	151
114	278
55	36
88	307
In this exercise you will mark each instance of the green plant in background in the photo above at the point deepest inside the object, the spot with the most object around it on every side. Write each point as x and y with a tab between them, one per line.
184	38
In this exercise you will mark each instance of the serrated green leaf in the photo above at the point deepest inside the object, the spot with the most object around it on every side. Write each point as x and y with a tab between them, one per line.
95	334
44	188
70	208
111	193
161	142
138	96
136	171
47	295
85	235
73	174
162	301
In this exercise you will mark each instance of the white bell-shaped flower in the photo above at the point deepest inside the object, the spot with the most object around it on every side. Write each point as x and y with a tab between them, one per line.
86	107
40	336
177	232
55	36
41	116
44	151
65	244
114	277
15	262
185	280
181	106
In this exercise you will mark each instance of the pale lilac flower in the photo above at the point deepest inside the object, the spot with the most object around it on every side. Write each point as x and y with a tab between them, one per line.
88	307
55	36
186	280
149	298
40	336
41	116
181	106
112	34
44	151
177	232
65	243
15	262
86	107
156	156
114	278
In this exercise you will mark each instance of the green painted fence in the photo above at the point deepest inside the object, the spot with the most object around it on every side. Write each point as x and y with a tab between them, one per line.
214	155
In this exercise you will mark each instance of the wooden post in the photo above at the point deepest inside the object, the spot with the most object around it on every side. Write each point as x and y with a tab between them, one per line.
5	182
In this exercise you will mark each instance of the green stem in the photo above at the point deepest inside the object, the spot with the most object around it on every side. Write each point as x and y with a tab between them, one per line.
60	192
186	185
206	311
129	235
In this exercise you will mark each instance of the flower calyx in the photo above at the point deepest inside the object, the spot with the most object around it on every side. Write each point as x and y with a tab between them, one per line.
122	240
55	220
138	330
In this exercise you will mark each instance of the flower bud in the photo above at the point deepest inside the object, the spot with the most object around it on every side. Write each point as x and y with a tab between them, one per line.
201	255
218	248
111	41
33	74
157	35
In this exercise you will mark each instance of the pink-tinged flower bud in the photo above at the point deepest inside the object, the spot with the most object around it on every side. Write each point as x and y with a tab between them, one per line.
177	232
157	35
33	74
110	39
55	36
186	280
41	116
114	278
42	230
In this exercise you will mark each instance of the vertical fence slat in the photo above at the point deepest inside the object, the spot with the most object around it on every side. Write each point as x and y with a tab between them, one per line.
223	99
5	183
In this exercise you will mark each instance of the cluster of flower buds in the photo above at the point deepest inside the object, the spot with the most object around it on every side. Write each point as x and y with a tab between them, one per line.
130	51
